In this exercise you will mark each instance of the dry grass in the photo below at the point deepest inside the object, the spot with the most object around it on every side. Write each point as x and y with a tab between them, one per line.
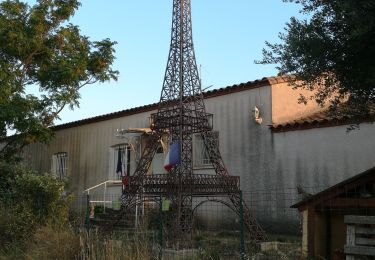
53	243
93	246
63	243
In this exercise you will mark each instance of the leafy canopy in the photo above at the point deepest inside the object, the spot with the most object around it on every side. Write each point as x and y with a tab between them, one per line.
332	51
40	49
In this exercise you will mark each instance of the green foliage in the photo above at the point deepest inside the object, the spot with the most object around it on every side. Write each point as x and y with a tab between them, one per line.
17	223
28	201
8	171
39	48
43	196
98	209
332	51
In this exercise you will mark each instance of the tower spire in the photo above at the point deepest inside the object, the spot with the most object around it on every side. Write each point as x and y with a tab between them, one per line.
180	115
181	107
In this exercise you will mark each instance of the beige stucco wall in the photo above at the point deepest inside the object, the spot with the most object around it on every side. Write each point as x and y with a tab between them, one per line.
286	106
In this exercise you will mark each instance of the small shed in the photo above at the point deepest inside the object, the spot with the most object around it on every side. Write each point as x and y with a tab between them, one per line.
323	226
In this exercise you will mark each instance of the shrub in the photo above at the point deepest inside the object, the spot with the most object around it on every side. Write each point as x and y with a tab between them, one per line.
16	224
98	209
28	200
43	195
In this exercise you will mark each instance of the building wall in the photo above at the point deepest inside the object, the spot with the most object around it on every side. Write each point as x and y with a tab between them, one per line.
322	157
88	147
338	235
316	159
320	235
270	165
286	105
325	242
243	142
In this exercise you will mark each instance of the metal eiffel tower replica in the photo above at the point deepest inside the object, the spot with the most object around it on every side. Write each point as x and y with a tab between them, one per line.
180	115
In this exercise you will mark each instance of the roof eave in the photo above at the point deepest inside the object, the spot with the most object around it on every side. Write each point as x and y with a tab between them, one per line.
342	186
266	81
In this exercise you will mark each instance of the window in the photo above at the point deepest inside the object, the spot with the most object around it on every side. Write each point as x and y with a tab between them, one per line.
201	156
158	162
59	165
121	161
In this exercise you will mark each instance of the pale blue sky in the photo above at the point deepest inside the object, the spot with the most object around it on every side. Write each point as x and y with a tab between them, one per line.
228	37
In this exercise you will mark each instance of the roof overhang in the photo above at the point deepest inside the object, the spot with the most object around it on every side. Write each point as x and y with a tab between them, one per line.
332	192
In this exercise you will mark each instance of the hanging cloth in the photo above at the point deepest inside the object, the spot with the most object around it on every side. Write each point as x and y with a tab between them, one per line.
173	156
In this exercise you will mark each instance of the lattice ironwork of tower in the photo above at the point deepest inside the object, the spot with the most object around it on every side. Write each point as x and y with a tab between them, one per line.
182	114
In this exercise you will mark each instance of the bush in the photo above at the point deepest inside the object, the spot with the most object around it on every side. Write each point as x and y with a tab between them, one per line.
44	196
98	209
27	201
16	224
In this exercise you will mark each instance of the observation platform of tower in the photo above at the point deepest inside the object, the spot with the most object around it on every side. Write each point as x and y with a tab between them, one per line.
194	184
176	117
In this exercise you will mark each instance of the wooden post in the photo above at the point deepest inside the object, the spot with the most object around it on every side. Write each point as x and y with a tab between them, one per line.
311	231
328	234
350	239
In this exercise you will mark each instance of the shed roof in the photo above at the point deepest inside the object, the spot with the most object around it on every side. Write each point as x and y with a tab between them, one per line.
339	188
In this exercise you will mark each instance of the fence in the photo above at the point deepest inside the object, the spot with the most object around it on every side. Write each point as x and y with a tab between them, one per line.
216	228
217	232
360	236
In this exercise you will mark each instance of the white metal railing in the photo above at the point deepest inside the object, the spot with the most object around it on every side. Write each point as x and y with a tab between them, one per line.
105	183
104	201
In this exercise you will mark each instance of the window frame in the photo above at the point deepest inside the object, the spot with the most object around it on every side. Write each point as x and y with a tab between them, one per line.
126	164
201	159
59	165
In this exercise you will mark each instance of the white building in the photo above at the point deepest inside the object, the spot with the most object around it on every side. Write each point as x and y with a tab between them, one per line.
285	146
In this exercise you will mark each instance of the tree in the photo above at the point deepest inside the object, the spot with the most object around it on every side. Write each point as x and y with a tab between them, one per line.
331	51
40	49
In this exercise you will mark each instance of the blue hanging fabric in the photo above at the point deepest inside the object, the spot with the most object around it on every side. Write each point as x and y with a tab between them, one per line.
119	163
173	156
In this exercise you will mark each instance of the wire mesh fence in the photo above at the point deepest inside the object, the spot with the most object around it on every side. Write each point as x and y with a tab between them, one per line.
217	232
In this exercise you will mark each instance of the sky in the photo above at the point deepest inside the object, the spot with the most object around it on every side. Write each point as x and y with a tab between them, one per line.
228	37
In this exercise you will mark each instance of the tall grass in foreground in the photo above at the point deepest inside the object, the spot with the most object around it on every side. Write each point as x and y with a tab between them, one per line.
63	243
93	246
